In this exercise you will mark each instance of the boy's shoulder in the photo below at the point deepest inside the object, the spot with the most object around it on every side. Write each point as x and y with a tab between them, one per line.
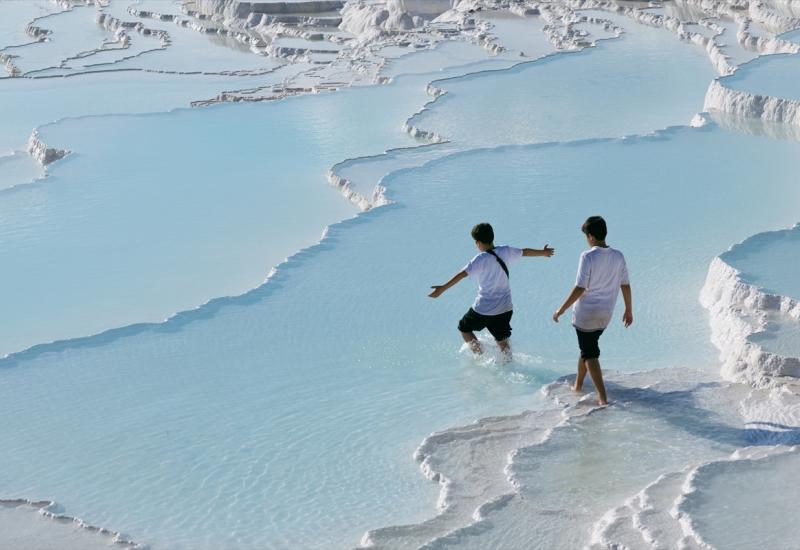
479	255
597	251
477	259
497	250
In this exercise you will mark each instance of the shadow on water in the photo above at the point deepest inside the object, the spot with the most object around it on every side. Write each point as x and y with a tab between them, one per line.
680	409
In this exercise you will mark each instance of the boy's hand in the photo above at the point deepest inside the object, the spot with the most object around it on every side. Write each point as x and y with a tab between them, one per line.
627	318
547	251
437	291
556	315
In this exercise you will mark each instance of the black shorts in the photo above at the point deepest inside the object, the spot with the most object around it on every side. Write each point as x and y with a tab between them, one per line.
498	325
588	341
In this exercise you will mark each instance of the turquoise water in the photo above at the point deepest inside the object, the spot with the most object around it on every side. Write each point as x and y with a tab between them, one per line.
629	85
14	16
18	168
721	501
774	75
780	336
28	103
768	263
130	187
791	36
73	32
188	51
729	41
192	51
252	403
287	416
447	54
595	465
521	35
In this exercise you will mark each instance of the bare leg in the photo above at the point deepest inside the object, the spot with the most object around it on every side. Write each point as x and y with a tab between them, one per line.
472	341
505	349
593	365
581	375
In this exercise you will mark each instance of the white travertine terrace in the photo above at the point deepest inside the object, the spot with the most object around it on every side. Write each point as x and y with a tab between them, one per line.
744	104
740	310
761	44
64	531
737	308
660	515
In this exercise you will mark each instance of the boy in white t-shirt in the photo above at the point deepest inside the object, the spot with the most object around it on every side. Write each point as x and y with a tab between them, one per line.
602	274
492	308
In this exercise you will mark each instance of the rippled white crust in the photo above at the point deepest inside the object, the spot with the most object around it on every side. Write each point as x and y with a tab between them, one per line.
378	19
738	310
361	201
762	44
51	533
472	465
660	515
122	27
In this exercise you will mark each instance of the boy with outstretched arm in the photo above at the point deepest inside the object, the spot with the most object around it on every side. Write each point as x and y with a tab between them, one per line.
492	308
602	274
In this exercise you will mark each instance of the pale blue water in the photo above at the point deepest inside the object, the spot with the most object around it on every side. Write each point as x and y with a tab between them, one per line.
129	187
73	32
447	54
624	86
520	35
722	500
189	51
14	16
773	75
287	417
28	103
603	459
18	168
729	42
192	51
770	262
245	401
780	336
791	36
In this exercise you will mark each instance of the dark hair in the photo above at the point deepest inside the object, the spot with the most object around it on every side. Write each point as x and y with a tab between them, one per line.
596	227
483	232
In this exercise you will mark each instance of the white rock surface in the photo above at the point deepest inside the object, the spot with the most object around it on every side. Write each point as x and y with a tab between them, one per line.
744	104
740	310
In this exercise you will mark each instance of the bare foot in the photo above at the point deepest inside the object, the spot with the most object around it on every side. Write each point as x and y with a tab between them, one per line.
577	388
602	403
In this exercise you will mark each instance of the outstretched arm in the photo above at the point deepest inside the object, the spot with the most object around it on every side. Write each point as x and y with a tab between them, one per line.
576	293
627	317
546	251
438	290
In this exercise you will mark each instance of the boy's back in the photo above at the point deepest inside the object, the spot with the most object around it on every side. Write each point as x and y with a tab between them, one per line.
601	271
494	290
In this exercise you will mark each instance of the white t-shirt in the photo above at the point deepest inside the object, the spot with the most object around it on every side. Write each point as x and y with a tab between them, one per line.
494	292
601	271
